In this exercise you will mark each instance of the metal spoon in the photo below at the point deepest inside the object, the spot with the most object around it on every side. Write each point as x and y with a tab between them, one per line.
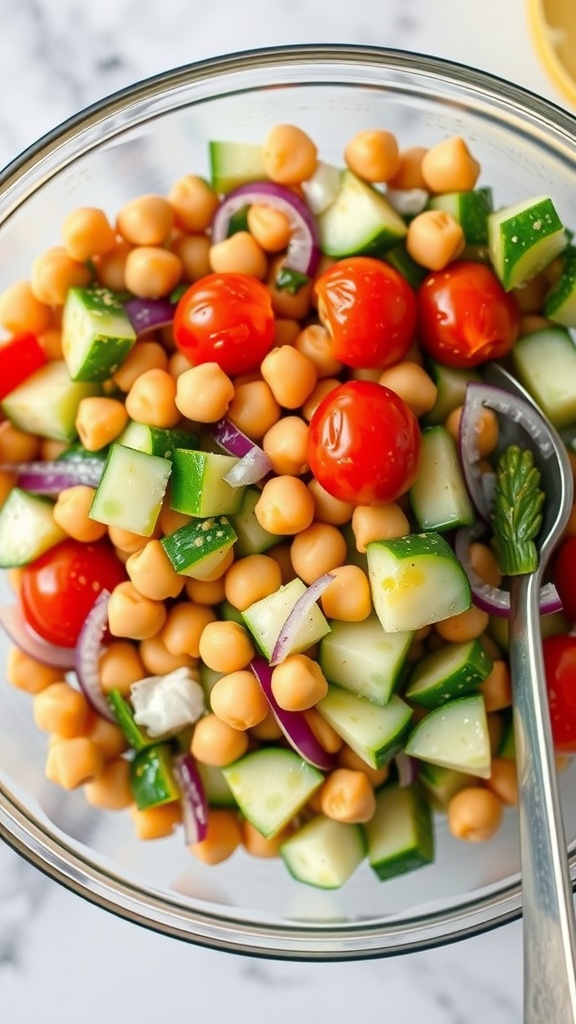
548	908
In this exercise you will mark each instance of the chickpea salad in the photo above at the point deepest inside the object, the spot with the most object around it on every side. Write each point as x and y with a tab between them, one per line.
255	501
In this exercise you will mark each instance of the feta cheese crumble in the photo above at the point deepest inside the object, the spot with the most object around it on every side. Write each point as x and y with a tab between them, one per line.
166	704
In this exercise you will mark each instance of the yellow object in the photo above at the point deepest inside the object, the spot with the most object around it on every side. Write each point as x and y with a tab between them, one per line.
552	24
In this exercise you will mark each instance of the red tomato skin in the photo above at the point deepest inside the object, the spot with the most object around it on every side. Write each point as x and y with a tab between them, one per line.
20	357
59	588
465	316
364	444
560	668
369	309
226	319
564	573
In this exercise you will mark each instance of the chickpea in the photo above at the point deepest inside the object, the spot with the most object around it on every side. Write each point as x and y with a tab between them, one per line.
285	506
239	254
193	251
152	399
323	388
204	393
72	513
531	296
348	758
285	331
257	845
146	220
130	614
348	597
238	699
156	822
99	421
413	384
223	837
61	709
298	683
378	522
51	343
531	322
72	762
465	626
110	789
285	445
16	445
21	311
87	232
280	553
289	155
206	592
250	579
409	173
111	266
225	646
434	239
194	203
152	573
25	673
54	273
347	795
317	550
177	364
120	665
108	737
327	737
270	227
152	272
314	342
285	304
125	541
485	563
486	429
268	730
215	742
497	687
144	356
373	155
290	375
185	623
157	659
449	167
328	509
474	814
254	409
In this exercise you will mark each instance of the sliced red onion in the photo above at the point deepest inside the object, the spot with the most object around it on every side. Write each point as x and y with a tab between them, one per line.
149	314
297	616
292	723
408	769
230	438
492	599
88	650
194	802
250	469
303	251
51	477
27	640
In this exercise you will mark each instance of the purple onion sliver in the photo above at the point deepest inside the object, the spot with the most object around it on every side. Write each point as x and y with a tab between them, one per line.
194	802
290	629
88	651
27	640
408	769
149	314
231	439
52	477
251	468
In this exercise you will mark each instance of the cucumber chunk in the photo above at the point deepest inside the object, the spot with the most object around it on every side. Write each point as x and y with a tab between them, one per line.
217	790
199	547
451	384
135	736
362	658
441	784
469	209
97	334
400	835
454	735
131	490
416	580
253	539
46	403
373	731
198	485
449	672
360	221
152	778
266	617
324	852
523	239
545	362
439	495
560	304
234	163
270	786
156	440
27	528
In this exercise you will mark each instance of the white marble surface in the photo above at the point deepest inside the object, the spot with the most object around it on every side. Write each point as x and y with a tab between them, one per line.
60	958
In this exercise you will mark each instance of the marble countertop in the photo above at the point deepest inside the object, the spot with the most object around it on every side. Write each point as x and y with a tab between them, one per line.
55	58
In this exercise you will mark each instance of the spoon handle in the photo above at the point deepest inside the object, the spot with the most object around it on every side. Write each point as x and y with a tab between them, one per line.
548	909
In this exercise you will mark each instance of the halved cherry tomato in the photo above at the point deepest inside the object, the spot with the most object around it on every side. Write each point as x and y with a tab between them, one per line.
564	573
560	669
59	588
20	356
225	319
364	443
465	316
369	310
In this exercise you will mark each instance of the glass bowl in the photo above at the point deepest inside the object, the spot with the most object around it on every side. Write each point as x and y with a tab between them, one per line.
141	140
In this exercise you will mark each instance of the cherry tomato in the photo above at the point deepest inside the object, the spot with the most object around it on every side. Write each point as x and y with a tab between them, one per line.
20	357
59	588
225	319
369	309
364	443
465	316
564	573
560	669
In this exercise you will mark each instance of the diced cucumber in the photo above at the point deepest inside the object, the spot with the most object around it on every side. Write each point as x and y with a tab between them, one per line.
439	496
97	334
208	679
156	440
253	539
364	659
152	778
136	736
454	735
198	485
469	209
560	304
46	403
416	580
360	221
266	617
374	732
217	790
131	490
234	163
451	671
400	835
523	239
399	258
507	746
324	852
451	384
200	546
27	528
441	784
230	613
270	786
545	362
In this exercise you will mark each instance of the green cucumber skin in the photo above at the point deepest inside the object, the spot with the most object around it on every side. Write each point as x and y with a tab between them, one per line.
454	735
439	496
131	490
462	678
198	487
195	541
523	239
270	786
360	221
362	658
152	778
398	806
375	732
233	164
108	333
122	711
324	853
156	440
470	210
46	403
560	303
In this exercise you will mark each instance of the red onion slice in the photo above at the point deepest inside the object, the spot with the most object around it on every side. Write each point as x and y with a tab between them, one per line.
51	477
292	723
88	650
250	469
408	769
231	439
149	314
303	251
194	802
27	640
492	599
297	616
